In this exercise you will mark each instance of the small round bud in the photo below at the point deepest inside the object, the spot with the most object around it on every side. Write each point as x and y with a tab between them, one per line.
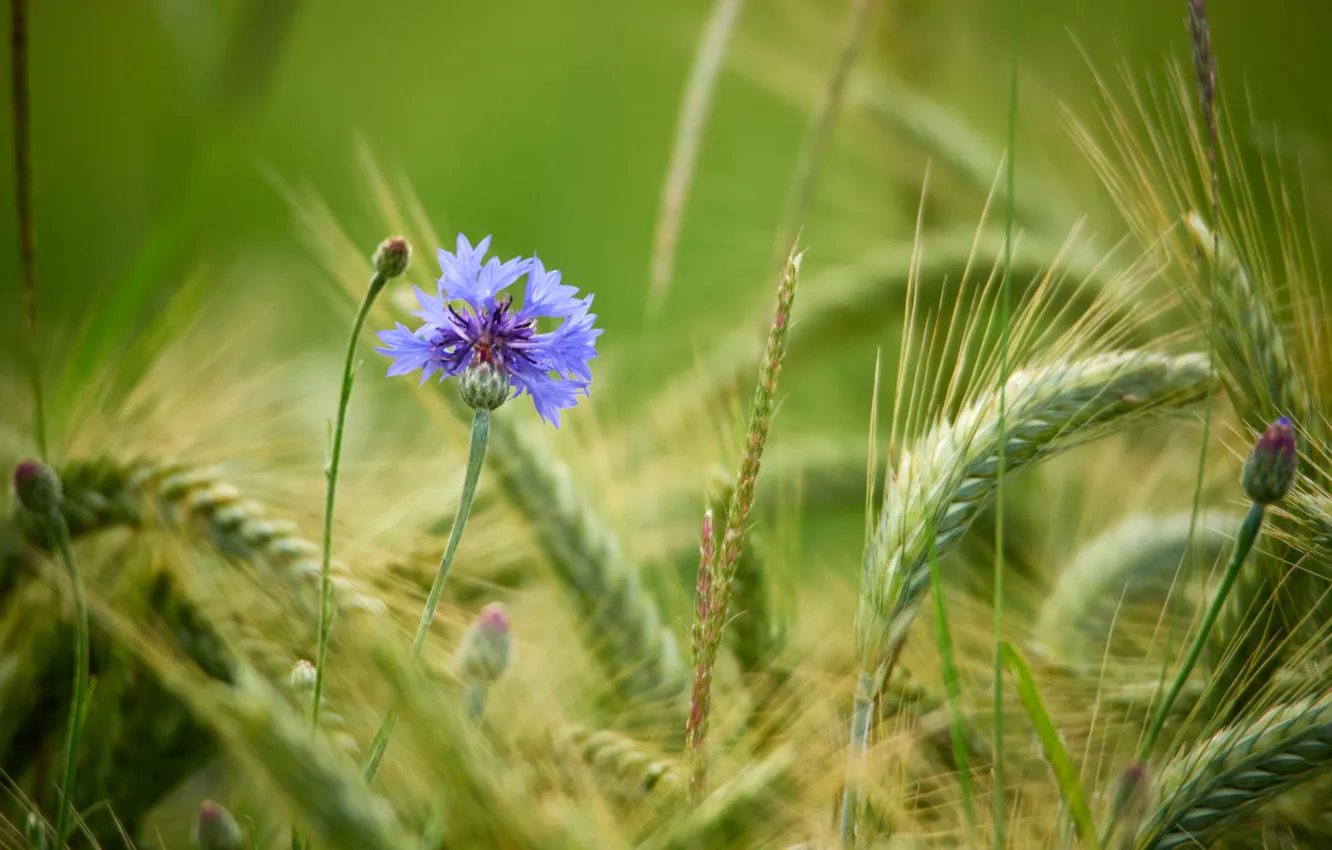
1130	794
484	653
484	386
35	832
1269	471
303	677
216	829
392	257
37	487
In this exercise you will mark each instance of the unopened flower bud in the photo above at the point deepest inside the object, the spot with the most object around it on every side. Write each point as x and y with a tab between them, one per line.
216	829
484	653
303	677
35	832
37	487
1270	468
484	386
1129	796
392	257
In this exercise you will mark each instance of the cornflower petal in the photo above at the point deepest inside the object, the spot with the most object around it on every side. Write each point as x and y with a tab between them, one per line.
434	310
496	277
550	396
409	351
545	295
568	348
460	270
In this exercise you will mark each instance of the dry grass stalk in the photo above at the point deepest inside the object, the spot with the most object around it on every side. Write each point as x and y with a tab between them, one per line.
1135	561
691	123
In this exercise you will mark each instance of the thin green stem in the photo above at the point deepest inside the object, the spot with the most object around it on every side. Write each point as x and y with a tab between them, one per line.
1248	533
476	454
952	688
76	707
330	496
997	787
1206	94
477	691
860	723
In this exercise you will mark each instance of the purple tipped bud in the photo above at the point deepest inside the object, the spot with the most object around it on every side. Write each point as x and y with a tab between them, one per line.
1134	775
216	829
1130	794
303	676
37	487
485	653
484	386
392	257
1270	468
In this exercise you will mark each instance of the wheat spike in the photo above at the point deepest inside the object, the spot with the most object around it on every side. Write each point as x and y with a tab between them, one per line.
948	475
1263	377
741	812
1135	559
103	493
623	622
624	769
1239	769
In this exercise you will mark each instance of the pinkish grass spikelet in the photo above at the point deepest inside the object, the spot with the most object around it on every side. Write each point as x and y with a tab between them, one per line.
737	515
697	724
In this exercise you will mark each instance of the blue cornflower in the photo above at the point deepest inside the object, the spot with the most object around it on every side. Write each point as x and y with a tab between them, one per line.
470	324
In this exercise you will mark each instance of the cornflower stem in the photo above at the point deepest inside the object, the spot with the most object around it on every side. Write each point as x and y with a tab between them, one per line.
330	498
722	574
330	495
76	707
477	691
1248	533
476	454
860	723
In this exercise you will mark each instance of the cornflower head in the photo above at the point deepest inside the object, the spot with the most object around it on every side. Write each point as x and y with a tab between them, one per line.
473	331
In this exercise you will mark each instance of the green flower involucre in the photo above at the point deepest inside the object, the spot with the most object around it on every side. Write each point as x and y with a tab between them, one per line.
1269	470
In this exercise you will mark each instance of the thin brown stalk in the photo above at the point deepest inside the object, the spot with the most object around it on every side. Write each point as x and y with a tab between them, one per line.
693	118
821	127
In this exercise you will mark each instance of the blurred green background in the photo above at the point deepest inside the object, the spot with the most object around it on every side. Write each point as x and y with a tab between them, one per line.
160	130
